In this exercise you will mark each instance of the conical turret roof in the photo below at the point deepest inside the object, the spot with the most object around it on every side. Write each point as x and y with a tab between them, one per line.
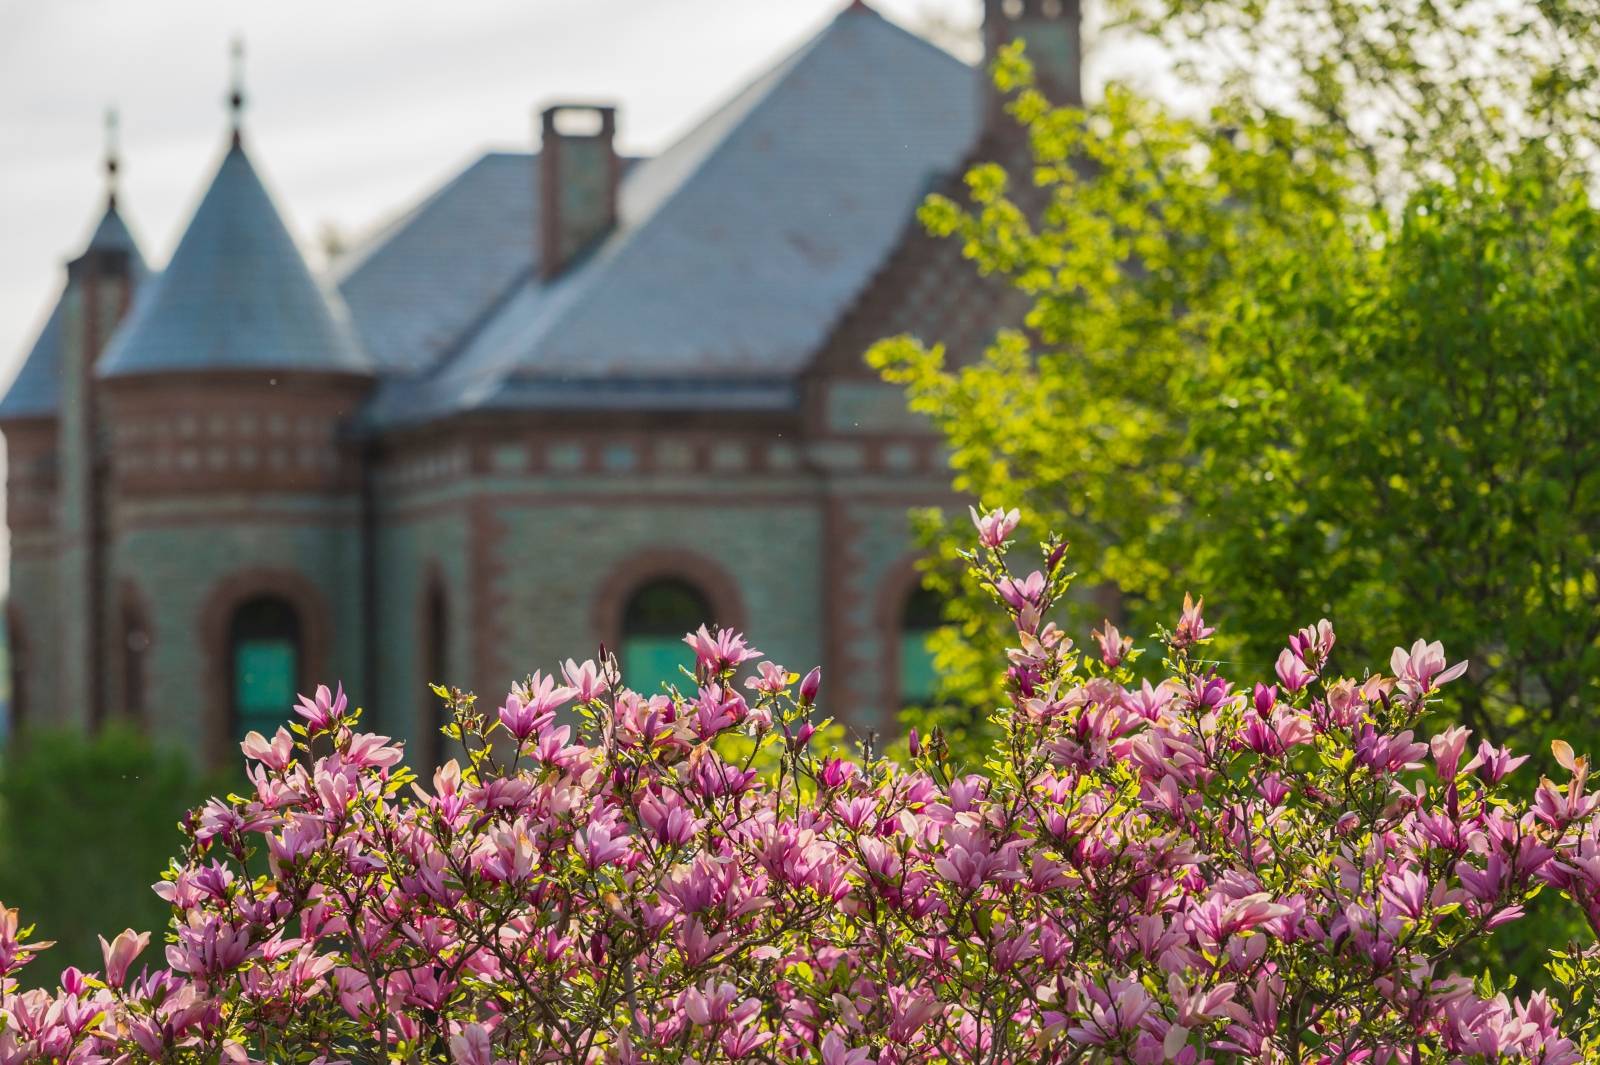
237	295
36	389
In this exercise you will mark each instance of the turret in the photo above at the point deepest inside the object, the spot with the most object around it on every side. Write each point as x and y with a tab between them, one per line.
55	478
236	484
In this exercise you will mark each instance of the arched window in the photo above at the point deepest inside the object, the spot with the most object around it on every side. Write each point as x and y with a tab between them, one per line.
264	653
922	616
653	626
435	670
17	648
135	657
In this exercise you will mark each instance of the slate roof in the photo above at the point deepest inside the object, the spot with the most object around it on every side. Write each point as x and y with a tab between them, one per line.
418	284
36	389
736	251
237	295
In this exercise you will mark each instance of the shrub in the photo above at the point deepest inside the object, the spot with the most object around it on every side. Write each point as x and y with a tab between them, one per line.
85	825
1201	870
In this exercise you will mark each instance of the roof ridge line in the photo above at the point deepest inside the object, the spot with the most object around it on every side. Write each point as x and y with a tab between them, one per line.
378	237
620	238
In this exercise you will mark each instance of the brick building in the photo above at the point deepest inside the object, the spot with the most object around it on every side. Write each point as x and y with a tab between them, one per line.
569	397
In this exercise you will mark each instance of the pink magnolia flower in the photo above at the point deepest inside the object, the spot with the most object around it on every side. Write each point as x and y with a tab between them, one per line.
275	754
1422	669
726	650
994	527
1493	763
1024	593
1292	672
1448	747
585	679
770	678
324	709
120	952
1192	627
533	707
1313	644
717	1003
208	946
835	1051
1110	1012
910	1012
474	1045
1114	646
603	842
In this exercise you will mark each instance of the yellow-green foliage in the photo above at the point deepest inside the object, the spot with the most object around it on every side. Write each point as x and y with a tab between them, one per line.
1302	371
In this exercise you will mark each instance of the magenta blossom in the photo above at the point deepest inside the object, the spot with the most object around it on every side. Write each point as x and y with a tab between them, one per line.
323	710
1422	669
1191	865
994	527
726	650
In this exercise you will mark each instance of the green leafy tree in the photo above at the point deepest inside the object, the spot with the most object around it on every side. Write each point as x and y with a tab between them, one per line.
87	825
1332	349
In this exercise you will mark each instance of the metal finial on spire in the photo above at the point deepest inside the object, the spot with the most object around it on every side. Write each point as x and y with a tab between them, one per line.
113	162
236	92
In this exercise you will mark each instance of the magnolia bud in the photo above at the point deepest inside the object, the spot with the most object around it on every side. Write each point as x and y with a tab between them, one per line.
809	686
914	742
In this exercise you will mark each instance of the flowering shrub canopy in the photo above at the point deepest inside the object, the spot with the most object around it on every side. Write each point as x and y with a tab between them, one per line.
1193	870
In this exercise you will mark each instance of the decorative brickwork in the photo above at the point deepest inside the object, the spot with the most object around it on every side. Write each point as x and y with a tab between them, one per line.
504	437
251	432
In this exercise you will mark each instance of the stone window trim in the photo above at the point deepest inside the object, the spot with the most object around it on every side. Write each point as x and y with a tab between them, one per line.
715	585
214	622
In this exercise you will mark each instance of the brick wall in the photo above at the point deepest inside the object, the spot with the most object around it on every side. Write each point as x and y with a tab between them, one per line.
191	568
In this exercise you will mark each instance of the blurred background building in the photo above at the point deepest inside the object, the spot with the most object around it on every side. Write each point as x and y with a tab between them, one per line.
571	397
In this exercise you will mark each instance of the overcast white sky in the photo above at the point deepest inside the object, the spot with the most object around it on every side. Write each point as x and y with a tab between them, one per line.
356	107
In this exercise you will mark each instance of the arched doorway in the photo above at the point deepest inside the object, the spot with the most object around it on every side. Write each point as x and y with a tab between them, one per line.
654	621
264	664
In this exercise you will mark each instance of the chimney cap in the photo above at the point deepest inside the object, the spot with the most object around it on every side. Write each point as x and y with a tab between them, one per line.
606	114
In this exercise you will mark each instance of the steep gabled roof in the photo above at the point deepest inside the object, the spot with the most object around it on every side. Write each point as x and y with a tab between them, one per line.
237	295
418	284
737	248
36	390
432	276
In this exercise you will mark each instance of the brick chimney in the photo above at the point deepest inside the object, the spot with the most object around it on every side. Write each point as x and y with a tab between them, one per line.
1053	34
578	176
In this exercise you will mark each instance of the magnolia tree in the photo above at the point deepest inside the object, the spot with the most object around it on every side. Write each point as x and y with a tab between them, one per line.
1199	869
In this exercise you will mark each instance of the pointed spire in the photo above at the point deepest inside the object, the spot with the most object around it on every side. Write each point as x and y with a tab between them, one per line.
236	92
236	295
113	160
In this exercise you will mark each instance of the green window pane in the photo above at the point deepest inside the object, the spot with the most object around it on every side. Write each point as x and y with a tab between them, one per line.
265	672
650	661
918	679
